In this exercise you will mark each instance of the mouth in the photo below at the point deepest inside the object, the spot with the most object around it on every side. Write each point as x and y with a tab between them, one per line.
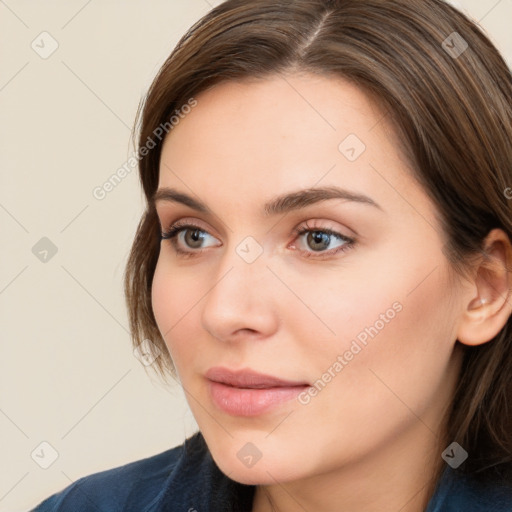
249	393
249	379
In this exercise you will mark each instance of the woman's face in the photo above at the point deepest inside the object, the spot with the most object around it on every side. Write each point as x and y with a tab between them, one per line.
346	296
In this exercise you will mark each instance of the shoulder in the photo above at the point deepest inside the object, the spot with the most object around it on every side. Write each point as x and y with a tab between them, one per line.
457	491
112	489
181	478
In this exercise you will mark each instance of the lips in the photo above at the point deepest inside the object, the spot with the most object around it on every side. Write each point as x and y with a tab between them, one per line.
249	379
249	393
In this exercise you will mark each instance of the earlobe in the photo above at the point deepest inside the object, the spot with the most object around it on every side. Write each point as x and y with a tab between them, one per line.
488	304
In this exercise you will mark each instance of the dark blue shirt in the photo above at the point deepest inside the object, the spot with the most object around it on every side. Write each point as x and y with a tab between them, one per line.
186	479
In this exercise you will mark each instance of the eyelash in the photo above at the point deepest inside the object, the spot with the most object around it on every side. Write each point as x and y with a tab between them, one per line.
177	227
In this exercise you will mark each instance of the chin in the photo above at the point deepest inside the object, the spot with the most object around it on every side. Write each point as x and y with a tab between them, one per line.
248	477
264	471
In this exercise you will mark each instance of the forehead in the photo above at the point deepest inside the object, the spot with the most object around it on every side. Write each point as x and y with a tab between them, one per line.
292	131
295	107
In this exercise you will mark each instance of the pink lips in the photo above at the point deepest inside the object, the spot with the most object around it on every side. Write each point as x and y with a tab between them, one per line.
248	393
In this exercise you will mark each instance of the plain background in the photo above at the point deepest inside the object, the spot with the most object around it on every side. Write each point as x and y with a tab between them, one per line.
68	376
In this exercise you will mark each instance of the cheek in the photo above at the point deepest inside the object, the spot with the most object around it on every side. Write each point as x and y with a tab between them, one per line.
177	300
173	300
395	318
398	290
391	354
162	299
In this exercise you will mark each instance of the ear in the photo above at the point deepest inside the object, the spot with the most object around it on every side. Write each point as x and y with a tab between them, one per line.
488	301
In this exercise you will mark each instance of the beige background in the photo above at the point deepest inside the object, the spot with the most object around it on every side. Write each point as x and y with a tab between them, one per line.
68	376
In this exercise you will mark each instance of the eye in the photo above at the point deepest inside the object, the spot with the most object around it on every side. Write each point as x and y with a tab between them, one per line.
188	238
320	241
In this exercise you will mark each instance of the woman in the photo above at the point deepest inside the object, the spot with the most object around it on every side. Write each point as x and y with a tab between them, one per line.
325	263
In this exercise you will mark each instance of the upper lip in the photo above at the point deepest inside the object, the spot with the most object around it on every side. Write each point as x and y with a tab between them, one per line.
248	378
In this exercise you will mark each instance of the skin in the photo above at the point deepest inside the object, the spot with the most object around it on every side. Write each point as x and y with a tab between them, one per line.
371	439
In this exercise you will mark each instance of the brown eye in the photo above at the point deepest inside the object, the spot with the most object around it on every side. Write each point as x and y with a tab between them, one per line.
321	242
193	238
188	238
318	240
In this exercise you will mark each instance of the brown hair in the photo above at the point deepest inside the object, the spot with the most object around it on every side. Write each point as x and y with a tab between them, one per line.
452	110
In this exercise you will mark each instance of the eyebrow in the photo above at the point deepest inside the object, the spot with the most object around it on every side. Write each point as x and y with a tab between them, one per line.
276	206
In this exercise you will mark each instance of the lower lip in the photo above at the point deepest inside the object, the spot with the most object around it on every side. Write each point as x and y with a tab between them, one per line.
250	402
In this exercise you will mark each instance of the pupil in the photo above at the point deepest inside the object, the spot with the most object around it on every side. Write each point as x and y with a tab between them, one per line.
319	240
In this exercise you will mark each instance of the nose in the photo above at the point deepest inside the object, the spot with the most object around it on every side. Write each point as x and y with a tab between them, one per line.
239	304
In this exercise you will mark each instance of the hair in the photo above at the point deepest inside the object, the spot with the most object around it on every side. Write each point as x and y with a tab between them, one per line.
453	115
